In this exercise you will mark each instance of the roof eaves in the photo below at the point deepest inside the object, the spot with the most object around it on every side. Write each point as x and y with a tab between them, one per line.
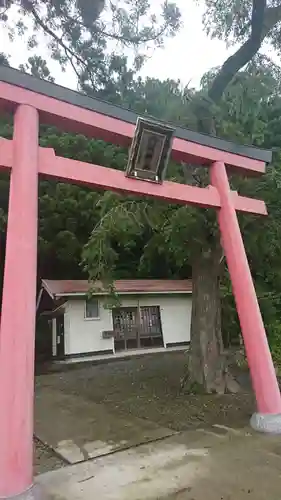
134	292
45	286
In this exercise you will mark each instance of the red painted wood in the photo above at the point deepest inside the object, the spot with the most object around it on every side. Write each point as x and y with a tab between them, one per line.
17	333
79	120
99	177
67	170
249	205
115	180
6	153
205	155
259	358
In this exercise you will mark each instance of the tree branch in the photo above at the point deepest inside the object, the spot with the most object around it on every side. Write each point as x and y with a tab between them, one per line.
70	54
3	13
120	38
243	55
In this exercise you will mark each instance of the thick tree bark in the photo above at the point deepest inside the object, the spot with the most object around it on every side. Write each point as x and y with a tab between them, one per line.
206	361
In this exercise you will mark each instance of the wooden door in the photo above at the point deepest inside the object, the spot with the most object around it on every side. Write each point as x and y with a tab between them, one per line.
150	331
125	327
137	327
60	336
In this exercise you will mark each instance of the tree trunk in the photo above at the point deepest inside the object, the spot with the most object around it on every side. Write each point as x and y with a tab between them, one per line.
206	360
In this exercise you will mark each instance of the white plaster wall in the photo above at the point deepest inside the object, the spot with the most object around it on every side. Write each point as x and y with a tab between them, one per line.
175	311
85	335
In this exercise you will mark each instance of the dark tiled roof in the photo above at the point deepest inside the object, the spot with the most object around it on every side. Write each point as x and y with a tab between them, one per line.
66	287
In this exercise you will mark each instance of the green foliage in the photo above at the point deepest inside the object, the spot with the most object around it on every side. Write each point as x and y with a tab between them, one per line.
68	213
119	227
37	67
275	346
229	20
4	60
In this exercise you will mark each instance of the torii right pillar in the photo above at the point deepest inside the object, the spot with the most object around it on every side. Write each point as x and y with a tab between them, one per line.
264	380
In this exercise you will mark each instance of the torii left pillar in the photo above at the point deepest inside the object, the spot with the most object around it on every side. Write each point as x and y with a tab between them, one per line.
17	334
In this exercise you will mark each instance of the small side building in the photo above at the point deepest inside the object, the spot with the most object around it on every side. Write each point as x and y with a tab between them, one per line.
151	314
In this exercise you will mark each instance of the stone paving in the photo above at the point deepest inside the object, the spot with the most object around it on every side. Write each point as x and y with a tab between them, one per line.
78	429
213	464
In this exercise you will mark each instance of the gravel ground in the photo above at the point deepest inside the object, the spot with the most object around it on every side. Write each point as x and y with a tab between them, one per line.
147	387
45	459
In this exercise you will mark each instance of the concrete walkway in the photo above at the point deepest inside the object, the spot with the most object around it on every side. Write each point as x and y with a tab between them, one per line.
78	429
214	464
119	355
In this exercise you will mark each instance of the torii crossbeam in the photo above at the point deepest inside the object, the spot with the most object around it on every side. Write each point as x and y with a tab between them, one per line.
33	101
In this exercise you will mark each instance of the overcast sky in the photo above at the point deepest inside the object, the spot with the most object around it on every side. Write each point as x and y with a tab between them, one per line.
185	57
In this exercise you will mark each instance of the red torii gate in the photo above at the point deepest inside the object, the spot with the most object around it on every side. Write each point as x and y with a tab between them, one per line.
33	100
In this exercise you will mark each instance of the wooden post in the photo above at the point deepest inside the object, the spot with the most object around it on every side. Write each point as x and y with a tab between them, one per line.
259	357
19	310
